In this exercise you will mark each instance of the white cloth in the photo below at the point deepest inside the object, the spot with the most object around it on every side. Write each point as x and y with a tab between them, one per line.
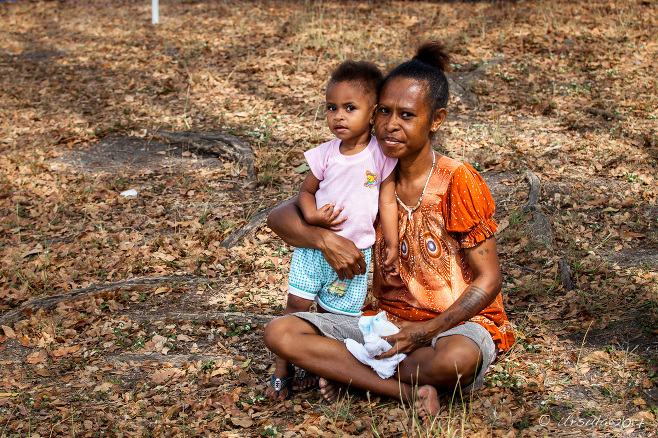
373	328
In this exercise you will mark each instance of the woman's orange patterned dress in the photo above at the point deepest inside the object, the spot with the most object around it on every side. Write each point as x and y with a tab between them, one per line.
456	213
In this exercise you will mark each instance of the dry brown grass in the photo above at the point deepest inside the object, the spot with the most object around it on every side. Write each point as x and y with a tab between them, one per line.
574	100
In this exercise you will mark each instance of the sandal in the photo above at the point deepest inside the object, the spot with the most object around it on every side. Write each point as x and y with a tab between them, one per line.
301	375
278	384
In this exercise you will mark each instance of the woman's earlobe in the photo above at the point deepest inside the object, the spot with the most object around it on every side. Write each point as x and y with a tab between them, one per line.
439	118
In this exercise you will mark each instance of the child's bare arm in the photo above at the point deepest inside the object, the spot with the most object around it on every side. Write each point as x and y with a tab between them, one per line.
306	201
388	216
325	216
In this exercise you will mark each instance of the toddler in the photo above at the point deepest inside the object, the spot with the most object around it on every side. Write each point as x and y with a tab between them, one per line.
349	181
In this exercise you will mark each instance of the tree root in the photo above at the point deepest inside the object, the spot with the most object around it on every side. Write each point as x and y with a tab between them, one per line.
52	301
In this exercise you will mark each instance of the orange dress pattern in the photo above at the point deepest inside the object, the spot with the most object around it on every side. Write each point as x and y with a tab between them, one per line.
456	213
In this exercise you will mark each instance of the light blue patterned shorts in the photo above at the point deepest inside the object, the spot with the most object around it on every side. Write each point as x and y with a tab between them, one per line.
312	278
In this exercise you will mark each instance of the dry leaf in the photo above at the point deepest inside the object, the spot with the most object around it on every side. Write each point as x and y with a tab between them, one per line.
103	387
242	421
161	376
44	372
36	357
9	332
63	351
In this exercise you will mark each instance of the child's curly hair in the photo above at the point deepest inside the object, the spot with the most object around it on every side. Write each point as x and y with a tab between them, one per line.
365	73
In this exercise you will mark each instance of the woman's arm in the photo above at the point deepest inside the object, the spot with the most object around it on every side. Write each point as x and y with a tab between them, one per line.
487	283
342	255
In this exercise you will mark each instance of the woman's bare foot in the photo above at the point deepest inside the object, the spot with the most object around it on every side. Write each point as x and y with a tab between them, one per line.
427	404
330	390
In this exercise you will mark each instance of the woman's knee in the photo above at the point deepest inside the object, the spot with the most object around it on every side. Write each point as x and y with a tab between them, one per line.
459	358
455	360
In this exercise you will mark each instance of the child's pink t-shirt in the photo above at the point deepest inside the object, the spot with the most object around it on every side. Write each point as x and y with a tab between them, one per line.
352	182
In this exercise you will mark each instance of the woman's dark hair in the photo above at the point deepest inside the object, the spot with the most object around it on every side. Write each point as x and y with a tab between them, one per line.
365	73
428	65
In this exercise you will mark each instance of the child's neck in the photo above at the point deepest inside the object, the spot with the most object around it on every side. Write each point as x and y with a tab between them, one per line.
355	145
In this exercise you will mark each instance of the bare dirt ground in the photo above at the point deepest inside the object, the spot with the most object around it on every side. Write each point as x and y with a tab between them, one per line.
125	316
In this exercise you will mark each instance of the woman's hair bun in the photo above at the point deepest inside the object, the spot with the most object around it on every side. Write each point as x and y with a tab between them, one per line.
433	53
429	66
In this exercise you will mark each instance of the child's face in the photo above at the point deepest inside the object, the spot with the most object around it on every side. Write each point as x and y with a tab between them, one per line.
349	110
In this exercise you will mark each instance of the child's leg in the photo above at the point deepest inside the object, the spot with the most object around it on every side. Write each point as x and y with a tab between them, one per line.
297	304
283	367
304	380
301	278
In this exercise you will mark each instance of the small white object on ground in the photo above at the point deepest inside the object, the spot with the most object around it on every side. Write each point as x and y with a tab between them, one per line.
373	328
131	192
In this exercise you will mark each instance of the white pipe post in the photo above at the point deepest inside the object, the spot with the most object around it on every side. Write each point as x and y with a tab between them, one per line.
155	12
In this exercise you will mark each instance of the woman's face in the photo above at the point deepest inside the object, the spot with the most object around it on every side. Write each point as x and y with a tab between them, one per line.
404	119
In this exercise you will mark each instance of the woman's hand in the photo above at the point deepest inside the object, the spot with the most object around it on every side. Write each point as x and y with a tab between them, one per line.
483	260
342	255
412	335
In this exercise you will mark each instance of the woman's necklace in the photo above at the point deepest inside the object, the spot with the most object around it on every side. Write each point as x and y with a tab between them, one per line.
411	210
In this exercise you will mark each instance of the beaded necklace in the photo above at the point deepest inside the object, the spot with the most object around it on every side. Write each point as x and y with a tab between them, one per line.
411	210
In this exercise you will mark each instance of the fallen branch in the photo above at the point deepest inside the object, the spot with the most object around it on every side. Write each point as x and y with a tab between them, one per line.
225	146
237	317
535	190
256	222
52	301
604	113
565	274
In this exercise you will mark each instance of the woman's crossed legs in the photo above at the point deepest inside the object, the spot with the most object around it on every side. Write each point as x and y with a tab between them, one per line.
453	360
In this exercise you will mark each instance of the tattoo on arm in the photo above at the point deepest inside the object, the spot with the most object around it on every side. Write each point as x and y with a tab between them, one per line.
482	252
419	337
473	299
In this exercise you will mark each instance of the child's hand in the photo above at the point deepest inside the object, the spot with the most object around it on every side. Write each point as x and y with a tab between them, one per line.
392	263
327	217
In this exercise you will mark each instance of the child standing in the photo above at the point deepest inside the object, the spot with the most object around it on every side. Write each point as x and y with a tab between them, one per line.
349	181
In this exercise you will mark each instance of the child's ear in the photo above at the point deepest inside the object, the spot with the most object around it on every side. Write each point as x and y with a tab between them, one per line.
372	115
438	119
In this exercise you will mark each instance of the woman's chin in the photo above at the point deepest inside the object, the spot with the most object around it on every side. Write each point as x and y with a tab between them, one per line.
390	153
391	150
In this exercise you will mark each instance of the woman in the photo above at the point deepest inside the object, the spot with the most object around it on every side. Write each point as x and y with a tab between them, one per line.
446	300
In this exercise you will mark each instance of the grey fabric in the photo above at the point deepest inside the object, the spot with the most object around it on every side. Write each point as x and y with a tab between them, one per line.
341	327
334	326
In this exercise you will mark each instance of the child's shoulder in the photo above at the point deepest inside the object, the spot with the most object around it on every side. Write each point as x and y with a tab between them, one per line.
324	148
327	145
